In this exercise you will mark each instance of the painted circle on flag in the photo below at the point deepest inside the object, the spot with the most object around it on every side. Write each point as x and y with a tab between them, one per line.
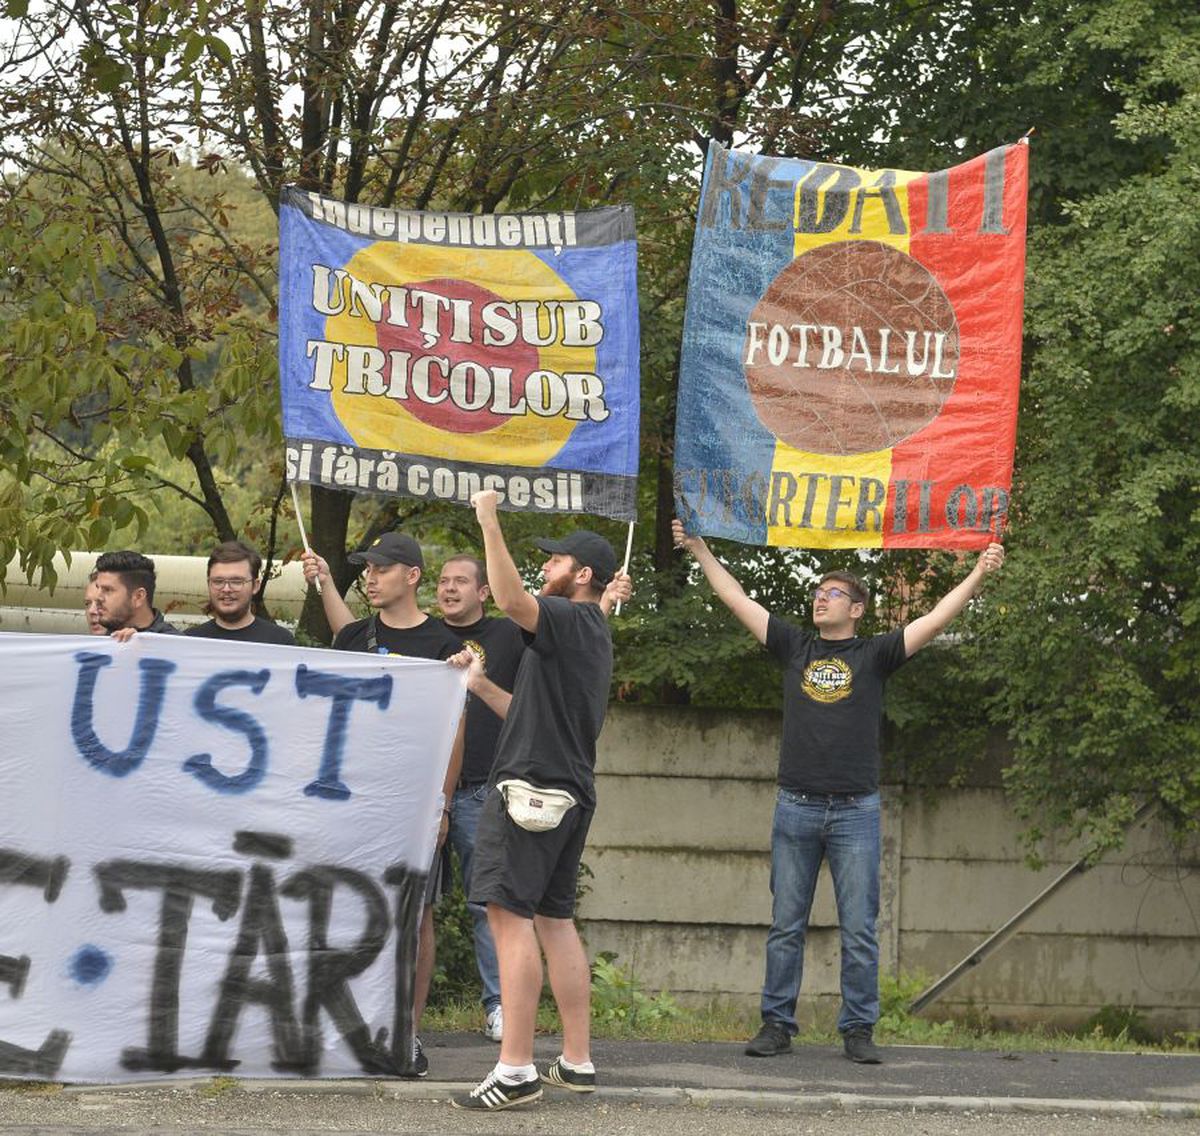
455	392
853	348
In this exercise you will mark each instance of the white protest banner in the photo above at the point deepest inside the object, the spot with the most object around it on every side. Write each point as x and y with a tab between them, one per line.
213	855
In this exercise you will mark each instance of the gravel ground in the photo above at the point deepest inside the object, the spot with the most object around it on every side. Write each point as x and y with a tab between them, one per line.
230	1111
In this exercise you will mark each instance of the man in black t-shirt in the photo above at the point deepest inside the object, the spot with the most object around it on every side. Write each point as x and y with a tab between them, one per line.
234	579
499	643
827	807
527	879
392	574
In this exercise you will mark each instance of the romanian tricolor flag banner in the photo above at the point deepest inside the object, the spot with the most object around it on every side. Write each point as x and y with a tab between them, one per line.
434	354
851	352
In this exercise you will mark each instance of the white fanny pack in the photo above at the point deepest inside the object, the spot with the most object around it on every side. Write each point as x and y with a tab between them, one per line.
534	809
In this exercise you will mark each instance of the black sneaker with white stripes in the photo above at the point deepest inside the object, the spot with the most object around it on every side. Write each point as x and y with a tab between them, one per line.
565	1078
493	1094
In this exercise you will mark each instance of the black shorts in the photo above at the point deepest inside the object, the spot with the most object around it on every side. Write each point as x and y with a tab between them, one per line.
529	873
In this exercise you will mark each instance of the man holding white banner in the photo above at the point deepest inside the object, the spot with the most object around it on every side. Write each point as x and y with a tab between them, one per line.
393	566
540	804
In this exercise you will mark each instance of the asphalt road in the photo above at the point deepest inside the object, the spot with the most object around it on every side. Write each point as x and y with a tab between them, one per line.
668	1090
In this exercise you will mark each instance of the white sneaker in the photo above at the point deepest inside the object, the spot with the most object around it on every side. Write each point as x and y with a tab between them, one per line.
493	1028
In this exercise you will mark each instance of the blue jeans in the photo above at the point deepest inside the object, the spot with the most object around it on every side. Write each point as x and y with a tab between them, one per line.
845	831
464	820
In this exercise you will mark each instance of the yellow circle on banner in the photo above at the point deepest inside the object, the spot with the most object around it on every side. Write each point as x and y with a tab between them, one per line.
468	432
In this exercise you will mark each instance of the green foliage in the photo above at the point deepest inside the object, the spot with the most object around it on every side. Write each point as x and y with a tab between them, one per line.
456	977
1091	653
619	1001
1118	1023
144	148
896	993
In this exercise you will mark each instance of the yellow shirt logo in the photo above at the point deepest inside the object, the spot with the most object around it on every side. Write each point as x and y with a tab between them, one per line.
827	680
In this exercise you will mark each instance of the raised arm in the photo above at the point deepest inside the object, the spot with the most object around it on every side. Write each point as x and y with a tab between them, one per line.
337	614
927	628
753	616
508	590
619	591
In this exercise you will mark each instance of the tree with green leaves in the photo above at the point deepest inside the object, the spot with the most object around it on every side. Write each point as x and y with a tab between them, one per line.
144	145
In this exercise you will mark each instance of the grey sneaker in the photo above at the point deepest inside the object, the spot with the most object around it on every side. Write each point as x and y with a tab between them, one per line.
558	1074
493	1094
860	1047
493	1027
770	1041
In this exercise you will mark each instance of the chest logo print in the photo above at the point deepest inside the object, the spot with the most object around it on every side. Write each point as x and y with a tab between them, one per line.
828	680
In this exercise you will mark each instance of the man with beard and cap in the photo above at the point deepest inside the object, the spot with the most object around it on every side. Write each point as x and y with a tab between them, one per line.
392	567
125	581
540	803
234	580
463	593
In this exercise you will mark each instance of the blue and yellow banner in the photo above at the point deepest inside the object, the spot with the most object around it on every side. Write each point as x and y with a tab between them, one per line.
430	354
851	352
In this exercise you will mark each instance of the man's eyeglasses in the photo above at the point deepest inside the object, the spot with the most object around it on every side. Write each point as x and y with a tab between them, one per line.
831	594
230	584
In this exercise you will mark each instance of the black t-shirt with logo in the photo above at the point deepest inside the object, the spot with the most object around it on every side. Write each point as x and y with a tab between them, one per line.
500	643
832	707
260	631
559	701
427	640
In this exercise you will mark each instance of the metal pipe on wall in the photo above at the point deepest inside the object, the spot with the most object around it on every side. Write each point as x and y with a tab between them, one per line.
181	593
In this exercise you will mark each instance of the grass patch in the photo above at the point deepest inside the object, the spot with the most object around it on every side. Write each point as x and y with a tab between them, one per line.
622	1010
32	1088
219	1087
1110	1030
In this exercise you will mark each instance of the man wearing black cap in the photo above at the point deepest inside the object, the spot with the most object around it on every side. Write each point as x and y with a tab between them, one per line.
392	574
527	853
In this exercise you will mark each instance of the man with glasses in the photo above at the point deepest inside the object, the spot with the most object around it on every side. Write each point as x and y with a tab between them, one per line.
234	580
827	807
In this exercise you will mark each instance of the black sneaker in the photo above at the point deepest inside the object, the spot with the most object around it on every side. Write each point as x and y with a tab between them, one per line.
493	1094
558	1074
860	1047
770	1041
420	1063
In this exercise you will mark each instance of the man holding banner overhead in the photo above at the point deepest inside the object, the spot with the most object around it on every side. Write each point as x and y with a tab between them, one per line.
436	355
827	807
848	379
542	796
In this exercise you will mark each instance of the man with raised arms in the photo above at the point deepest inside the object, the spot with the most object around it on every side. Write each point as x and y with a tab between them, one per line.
499	643
827	807
527	852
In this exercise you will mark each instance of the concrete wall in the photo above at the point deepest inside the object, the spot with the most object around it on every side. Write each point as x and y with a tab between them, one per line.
680	855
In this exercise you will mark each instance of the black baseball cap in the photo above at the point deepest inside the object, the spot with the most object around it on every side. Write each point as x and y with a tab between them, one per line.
391	548
590	549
